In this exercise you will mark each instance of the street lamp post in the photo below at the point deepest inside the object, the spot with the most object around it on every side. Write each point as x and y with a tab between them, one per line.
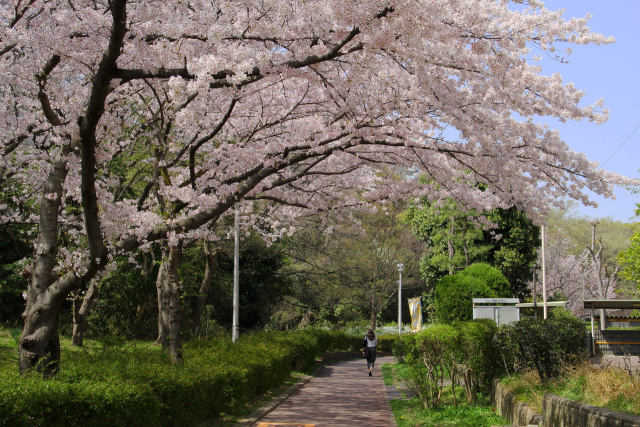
236	279
400	268
544	277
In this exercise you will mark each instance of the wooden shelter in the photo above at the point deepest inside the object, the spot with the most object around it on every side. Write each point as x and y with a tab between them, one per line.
619	341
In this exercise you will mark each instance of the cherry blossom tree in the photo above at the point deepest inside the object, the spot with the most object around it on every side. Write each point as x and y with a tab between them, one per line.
296	103
629	258
576	277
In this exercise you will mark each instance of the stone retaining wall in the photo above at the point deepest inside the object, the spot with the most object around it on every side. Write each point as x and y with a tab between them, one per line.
557	412
560	412
517	413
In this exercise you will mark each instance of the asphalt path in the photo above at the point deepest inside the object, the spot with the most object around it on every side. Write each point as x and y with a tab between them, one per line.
342	394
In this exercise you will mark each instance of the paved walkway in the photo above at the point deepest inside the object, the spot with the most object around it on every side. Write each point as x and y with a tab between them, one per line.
339	395
633	362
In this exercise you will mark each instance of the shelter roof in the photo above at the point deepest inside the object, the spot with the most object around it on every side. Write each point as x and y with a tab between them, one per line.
540	304
612	303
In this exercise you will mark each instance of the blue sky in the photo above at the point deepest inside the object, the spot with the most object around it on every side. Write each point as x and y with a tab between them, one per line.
611	72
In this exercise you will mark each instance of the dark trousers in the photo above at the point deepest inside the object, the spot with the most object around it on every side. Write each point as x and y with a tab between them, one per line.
371	356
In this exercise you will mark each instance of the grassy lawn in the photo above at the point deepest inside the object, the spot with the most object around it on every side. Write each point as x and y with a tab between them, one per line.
9	346
612	388
411	412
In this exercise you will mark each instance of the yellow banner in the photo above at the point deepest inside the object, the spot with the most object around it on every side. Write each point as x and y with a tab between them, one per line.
415	308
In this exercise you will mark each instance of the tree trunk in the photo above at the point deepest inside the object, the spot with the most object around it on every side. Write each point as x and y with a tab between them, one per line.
374	312
81	313
465	248
39	341
170	314
160	279
39	345
205	285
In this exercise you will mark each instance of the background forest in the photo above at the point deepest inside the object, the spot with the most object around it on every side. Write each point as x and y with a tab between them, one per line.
332	272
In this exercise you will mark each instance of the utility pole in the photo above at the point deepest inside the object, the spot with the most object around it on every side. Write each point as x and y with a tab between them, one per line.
535	297
544	278
236	279
400	268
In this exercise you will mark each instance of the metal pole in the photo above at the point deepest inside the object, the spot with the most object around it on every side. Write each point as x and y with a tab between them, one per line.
535	296
236	279
400	268
544	278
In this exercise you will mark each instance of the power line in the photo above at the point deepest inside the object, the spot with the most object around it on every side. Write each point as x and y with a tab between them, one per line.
621	144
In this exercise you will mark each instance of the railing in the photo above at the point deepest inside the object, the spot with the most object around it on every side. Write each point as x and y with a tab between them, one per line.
618	342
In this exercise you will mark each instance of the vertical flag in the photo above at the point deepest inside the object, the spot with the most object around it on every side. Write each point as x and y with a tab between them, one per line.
415	308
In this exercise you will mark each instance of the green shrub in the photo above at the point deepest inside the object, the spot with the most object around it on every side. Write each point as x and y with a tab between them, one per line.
385	342
478	351
543	345
124	385
431	355
453	295
403	345
490	276
438	349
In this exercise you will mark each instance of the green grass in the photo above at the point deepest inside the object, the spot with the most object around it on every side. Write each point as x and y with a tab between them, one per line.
411	412
9	338
610	387
387	374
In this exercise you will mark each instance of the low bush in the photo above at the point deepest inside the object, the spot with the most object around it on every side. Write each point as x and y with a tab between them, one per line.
479	352
410	412
438	349
541	344
385	342
140	386
403	345
444	351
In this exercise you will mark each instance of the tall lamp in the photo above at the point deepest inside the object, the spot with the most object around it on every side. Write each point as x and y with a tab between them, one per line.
400	268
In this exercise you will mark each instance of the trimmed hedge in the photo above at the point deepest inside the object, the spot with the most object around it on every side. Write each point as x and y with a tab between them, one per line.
127	386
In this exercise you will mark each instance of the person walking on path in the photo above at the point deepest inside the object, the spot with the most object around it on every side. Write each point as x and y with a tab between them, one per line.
337	396
370	342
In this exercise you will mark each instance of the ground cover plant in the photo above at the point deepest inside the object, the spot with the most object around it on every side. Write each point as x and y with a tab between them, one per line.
610	387
410	411
139	385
